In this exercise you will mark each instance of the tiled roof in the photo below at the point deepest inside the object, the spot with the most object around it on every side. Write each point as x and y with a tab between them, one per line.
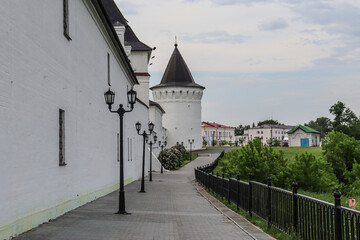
215	125
117	18
304	128
177	73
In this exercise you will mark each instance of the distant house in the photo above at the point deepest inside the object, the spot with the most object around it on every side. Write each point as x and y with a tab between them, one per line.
269	132
303	136
215	131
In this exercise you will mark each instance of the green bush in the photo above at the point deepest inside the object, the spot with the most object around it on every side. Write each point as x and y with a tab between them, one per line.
341	151
181	149
204	142
214	143
313	174
169	158
223	142
259	160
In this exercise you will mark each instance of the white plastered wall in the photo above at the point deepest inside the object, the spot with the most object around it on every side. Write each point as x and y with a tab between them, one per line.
182	119
40	72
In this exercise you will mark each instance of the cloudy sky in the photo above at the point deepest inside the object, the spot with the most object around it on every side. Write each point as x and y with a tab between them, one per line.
289	60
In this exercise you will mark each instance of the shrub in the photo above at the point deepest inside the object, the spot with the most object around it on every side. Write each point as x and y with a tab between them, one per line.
204	143
223	142
341	151
169	158
230	143
259	160
214	143
181	149
313	174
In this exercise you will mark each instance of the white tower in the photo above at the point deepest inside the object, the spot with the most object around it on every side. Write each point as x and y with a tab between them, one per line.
180	97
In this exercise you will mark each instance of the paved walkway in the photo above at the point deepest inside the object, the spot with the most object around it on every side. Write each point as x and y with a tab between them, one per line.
171	208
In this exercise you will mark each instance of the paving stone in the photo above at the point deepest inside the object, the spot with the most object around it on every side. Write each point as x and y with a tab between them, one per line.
171	208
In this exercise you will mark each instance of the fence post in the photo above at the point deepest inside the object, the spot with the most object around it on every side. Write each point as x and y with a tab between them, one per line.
222	186
212	182
237	191
338	222
269	201
229	188
295	205
208	181
217	182
250	194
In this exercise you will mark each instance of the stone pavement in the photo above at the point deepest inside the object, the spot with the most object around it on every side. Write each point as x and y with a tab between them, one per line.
171	208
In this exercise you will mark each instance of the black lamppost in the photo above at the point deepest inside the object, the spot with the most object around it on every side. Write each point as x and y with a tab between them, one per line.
145	135
151	143
162	148
177	145
191	142
109	99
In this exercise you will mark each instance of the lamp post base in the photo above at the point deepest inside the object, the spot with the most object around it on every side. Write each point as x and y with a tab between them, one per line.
142	191
123	213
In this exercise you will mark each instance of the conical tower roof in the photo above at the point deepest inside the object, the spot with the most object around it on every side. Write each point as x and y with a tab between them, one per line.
177	73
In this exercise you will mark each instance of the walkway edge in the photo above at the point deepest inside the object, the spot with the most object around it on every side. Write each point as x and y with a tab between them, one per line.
212	199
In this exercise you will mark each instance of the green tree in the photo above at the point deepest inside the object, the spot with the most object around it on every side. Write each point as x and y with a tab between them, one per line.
344	118
239	130
270	121
321	124
341	151
313	174
259	160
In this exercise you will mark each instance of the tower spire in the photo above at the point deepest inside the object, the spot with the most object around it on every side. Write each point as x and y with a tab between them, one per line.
176	42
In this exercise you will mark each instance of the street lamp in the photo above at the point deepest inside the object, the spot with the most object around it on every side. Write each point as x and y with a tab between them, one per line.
191	142
151	143
162	148
177	145
145	135
109	100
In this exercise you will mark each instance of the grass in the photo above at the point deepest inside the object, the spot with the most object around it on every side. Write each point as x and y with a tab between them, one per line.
186	159
256	220
329	197
290	152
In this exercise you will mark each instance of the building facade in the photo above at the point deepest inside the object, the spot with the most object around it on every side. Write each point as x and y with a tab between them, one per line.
59	146
180	97
303	136
215	131
268	132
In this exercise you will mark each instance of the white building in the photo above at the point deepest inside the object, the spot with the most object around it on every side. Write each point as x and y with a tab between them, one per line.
303	136
180	97
215	131
267	132
58	141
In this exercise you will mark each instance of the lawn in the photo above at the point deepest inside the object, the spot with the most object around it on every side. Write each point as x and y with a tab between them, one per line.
290	152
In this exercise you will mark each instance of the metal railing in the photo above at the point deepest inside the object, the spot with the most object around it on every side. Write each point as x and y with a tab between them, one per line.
288	211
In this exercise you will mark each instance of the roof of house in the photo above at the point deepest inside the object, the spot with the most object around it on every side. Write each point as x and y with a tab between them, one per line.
304	128
215	125
152	103
273	126
177	73
118	19
104	16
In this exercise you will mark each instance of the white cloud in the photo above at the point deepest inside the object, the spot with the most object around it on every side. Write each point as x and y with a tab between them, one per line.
271	25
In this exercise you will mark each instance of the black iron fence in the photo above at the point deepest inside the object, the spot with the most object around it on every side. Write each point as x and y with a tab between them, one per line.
288	211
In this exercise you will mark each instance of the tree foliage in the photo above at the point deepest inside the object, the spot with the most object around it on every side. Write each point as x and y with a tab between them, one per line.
313	174
257	159
344	118
239	130
341	151
270	121
321	124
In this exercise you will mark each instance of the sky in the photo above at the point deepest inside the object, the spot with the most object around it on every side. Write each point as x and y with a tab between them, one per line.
287	60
